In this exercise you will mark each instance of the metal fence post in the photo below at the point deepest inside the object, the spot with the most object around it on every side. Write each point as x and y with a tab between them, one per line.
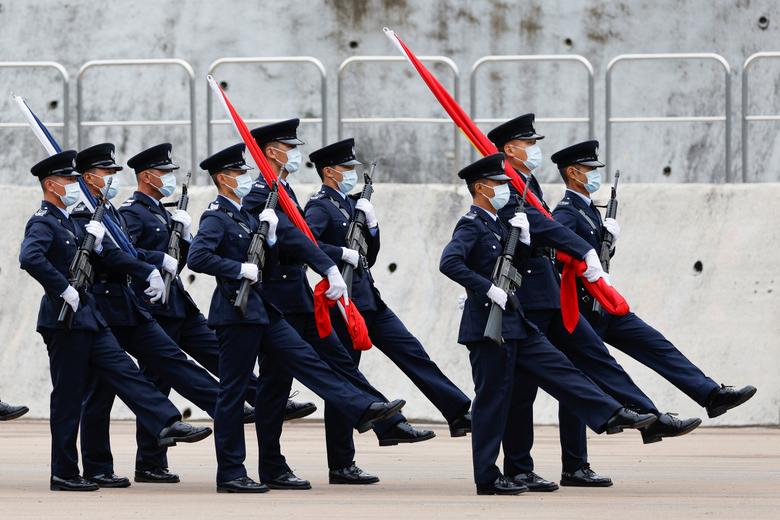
746	118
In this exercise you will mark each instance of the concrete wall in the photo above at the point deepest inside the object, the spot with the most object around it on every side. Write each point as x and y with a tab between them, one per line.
201	31
724	317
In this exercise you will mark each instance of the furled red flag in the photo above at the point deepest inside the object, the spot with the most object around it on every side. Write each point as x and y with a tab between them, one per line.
355	323
608	296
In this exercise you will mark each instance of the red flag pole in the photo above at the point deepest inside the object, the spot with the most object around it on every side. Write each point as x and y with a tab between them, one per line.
607	295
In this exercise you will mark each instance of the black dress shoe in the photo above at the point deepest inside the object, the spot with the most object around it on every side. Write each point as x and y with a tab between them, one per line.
351	475
241	485
501	486
156	476
668	425
461	426
77	483
627	418
287	480
9	412
109	480
404	433
534	482
298	410
181	432
727	397
249	414
378	411
584	477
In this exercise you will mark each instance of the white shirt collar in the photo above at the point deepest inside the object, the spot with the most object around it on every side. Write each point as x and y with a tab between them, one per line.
238	206
491	215
64	211
152	199
580	195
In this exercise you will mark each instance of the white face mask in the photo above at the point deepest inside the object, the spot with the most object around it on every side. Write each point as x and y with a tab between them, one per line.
534	157
500	196
348	181
72	193
168	184
243	186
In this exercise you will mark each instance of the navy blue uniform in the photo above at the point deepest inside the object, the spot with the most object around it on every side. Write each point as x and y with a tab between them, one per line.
540	297
629	333
149	226
469	259
139	334
328	214
219	249
288	290
88	349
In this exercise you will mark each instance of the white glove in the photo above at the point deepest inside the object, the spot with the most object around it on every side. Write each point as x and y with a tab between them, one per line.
497	295
185	219
594	270
156	286
269	215
366	207
350	256
613	227
170	264
249	271
97	230
462	300
520	221
71	297
338	287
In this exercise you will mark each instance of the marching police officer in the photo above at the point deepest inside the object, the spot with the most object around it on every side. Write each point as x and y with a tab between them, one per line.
288	289
525	353
138	333
329	214
220	249
87	348
578	165
540	292
9	412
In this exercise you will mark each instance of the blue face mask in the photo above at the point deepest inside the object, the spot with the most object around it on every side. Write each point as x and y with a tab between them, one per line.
294	158
244	185
348	181
72	193
500	196
534	157
114	188
168	186
594	180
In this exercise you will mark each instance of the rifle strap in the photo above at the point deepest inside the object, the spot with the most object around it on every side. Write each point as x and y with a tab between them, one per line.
590	221
341	209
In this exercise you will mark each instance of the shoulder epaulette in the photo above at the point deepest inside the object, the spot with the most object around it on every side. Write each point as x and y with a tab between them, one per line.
42	212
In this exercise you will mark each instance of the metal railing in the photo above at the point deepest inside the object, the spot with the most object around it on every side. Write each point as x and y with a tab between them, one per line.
323	119
726	118
442	60
80	123
63	75
548	58
747	118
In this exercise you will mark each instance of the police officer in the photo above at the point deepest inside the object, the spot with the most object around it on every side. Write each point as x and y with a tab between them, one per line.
220	248
469	259
578	165
540	292
329	214
88	348
9	412
288	290
137	332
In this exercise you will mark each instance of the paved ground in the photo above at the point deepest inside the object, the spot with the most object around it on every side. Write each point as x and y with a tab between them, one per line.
712	473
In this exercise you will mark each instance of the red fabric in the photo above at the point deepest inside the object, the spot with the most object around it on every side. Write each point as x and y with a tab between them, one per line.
612	301
355	323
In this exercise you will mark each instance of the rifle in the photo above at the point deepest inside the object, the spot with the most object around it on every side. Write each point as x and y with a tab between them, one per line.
505	275
80	271
355	233
256	252
607	240
173	242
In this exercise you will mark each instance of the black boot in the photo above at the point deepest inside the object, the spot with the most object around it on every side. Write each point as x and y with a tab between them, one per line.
501	486
727	397
627	418
404	433
668	425
584	477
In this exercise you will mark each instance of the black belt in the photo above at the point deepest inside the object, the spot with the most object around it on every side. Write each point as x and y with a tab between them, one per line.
539	252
